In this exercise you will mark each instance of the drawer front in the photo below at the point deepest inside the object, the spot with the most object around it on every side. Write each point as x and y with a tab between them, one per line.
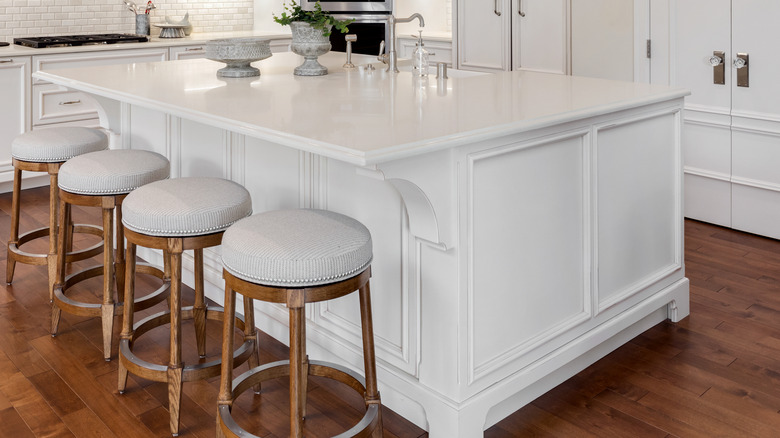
55	104
282	45
437	51
87	59
187	52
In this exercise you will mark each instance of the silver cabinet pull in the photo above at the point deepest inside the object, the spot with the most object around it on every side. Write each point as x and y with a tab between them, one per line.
193	49
495	8
742	65
520	8
3	61
718	67
70	102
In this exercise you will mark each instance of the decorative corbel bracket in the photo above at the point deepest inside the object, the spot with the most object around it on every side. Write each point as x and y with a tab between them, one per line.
422	217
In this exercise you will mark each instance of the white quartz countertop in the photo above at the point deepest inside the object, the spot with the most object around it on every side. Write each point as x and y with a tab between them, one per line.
154	41
358	116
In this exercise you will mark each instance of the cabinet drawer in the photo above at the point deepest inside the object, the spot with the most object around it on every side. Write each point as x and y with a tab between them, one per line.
55	104
438	51
88	59
187	52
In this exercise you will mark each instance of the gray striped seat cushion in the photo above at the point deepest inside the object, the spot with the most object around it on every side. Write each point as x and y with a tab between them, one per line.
52	145
112	172
296	248
185	207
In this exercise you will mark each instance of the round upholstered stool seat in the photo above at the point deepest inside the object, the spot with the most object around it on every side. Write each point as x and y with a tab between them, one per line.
45	150
57	144
103	179
177	215
296	248
112	172
296	257
186	207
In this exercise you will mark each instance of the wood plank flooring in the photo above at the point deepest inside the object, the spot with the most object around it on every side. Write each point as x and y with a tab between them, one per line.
716	373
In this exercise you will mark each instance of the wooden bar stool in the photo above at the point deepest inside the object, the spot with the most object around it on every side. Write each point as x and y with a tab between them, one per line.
174	216
103	179
45	150
295	257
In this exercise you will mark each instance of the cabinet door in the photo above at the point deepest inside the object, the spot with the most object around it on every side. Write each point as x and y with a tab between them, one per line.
15	108
755	118
483	34
540	35
702	27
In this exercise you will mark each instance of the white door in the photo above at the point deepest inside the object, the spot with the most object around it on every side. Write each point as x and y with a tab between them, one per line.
755	117
703	27
540	35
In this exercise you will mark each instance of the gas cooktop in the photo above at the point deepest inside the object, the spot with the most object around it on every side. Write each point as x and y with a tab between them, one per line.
79	40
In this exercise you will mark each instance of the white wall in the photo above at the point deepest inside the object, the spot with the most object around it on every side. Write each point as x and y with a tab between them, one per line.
20	18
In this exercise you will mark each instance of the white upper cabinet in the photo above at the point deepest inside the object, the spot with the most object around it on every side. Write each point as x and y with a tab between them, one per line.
513	35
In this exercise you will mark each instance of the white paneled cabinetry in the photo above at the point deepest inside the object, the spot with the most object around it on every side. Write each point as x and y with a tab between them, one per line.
15	107
732	129
514	35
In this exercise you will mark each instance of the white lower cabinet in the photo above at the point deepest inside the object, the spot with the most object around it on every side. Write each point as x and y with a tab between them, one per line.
15	108
438	51
732	118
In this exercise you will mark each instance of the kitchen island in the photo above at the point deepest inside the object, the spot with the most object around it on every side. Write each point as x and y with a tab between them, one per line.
524	224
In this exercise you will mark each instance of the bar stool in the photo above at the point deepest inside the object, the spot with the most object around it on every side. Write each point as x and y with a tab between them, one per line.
103	179
45	150
295	257
174	216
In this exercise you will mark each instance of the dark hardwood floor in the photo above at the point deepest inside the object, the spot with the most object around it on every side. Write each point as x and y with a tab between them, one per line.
716	373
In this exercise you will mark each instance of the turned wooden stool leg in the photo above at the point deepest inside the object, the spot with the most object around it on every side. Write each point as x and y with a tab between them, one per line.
127	315
107	307
60	281
119	258
250	333
228	325
175	366
16	203
369	359
51	259
199	307
297	395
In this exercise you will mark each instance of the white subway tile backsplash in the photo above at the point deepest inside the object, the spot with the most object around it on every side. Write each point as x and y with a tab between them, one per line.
20	18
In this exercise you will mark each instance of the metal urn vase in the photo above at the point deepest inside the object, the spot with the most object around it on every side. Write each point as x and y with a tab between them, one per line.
309	43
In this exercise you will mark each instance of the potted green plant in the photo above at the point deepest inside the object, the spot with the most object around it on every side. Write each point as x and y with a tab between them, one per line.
310	35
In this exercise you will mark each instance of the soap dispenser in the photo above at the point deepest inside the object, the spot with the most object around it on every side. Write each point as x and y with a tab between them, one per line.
420	58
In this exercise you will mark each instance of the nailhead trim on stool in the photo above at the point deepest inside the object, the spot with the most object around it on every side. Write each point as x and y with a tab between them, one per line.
112	172
186	207
296	248
50	145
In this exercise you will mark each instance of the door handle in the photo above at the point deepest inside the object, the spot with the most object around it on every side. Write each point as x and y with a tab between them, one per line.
742	64
520	8
495	8
718	67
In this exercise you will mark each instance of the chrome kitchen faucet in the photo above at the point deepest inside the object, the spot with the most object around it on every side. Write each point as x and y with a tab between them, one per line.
391	58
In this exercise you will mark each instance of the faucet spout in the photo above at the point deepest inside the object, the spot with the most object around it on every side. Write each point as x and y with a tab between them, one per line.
392	57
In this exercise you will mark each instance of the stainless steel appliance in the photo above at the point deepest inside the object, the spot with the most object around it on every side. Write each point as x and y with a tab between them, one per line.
351	6
79	40
370	24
